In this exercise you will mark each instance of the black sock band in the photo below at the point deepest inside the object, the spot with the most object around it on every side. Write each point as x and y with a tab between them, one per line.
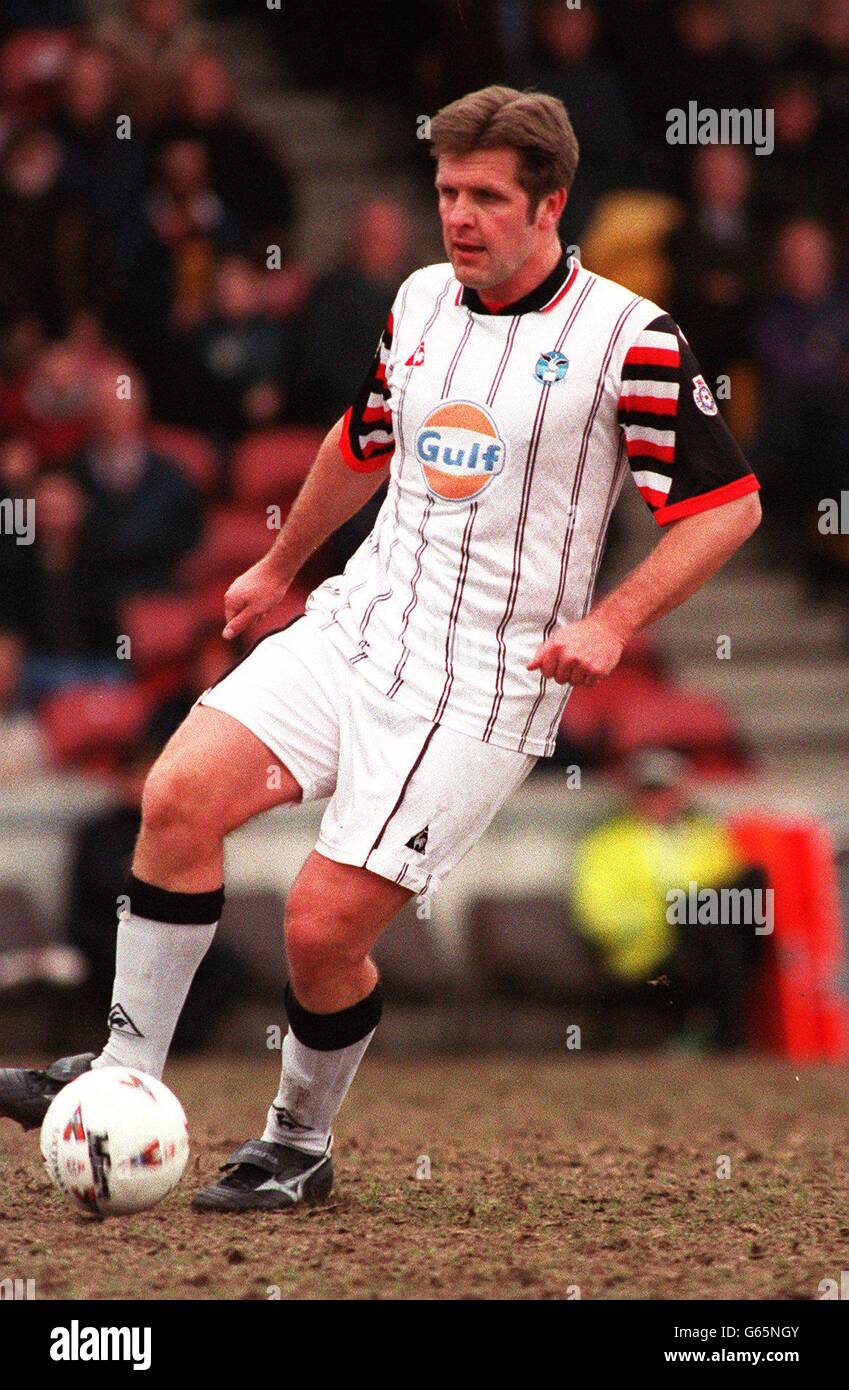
161	905
328	1032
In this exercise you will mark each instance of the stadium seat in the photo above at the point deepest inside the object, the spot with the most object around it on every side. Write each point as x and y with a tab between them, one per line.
252	927
82	720
33	64
527	948
160	627
411	965
635	709
676	717
20	919
236	537
191	451
270	466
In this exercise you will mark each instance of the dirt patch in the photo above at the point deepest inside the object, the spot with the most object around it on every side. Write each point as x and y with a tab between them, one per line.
547	1177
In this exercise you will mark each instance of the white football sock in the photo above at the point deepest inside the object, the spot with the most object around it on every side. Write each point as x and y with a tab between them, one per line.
155	964
315	1080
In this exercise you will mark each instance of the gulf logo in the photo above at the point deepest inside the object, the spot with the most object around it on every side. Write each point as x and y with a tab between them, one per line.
459	449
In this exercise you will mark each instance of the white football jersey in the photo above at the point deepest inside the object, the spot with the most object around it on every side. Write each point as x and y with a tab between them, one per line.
510	435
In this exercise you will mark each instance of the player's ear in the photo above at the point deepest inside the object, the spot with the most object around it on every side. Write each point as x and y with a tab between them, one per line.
551	209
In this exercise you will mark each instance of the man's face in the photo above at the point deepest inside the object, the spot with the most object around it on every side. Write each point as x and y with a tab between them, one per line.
484	214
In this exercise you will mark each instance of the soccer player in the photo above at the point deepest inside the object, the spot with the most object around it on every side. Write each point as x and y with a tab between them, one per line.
511	392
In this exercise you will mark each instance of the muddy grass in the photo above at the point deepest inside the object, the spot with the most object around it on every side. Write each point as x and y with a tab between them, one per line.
547	1176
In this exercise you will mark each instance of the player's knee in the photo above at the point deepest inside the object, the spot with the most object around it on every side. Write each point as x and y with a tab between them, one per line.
174	798
319	940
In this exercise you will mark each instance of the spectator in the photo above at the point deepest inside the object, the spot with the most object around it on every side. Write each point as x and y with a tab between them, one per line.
51	407
624	870
151	44
569	68
801	338
713	255
57	593
20	347
53	261
823	54
18	467
225	375
187	228
106	173
357	295
263	203
804	174
144	513
22	747
711	66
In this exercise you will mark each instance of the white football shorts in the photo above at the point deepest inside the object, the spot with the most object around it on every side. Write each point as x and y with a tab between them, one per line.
408	798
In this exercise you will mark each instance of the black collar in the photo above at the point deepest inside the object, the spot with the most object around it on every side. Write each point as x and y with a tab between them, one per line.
535	299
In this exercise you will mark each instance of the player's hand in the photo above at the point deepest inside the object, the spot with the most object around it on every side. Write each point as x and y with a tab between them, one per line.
252	594
581	653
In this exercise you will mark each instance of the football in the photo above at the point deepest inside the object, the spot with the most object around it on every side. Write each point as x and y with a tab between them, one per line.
115	1141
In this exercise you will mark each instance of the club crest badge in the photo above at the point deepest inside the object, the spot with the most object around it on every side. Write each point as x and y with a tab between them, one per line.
551	367
702	396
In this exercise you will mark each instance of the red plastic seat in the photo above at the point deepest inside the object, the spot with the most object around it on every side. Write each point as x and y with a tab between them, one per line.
191	451
90	719
675	717
271	465
161	627
33	64
236	537
632	709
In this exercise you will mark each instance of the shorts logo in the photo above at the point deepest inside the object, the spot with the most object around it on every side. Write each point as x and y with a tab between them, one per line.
459	449
551	367
702	396
418	842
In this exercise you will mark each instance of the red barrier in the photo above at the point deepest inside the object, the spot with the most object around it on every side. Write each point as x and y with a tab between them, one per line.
798	1009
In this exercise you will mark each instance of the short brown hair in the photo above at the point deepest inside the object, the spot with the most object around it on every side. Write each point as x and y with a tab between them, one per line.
535	125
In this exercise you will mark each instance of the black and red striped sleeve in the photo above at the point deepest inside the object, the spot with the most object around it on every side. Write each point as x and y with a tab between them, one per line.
368	439
682	454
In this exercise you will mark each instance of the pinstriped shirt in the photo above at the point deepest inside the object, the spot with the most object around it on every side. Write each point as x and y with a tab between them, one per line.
510	435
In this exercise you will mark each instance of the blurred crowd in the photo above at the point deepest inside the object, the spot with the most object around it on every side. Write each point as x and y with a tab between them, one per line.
164	354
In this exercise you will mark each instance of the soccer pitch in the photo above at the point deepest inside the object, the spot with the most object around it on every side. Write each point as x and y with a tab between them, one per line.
643	1176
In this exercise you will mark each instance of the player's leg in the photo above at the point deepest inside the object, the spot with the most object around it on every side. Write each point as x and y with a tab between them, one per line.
266	734
212	776
400	818
334	914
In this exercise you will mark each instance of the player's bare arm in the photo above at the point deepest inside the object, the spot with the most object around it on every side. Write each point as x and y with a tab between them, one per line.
690	552
332	493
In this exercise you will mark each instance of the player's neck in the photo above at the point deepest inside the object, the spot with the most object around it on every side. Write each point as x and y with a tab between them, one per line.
535	269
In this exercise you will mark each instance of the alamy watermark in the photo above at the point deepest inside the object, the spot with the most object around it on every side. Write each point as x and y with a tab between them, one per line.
713	907
704	125
17	518
833	517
